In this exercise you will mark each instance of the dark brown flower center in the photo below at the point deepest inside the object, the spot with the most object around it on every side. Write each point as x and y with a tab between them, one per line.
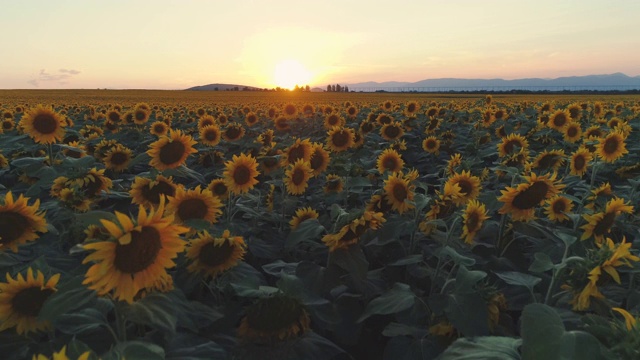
12	226
399	192
611	145
161	188
45	124
158	128
219	189
7	125
296	152
559	206
297	178
211	135
392	132
390	163
548	161
119	158
532	196
466	187
113	116
317	160
241	175
340	138
172	152
473	221
290	110
579	162
411	107
603	226
233	132
29	301
140	115
572	131
92	188
140	253
559	120
193	208
212	256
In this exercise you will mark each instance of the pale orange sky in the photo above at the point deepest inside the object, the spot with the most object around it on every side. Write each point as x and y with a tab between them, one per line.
175	44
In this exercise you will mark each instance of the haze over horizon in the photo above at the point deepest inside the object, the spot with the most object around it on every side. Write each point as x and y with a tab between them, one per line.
175	45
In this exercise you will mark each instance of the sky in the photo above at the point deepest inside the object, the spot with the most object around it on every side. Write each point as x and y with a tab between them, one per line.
176	44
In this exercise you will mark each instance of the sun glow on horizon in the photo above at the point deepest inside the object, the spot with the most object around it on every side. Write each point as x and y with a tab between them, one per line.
289	73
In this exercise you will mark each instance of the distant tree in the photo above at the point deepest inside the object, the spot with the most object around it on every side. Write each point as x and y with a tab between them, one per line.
235	88
307	88
297	88
338	88
245	88
215	88
346	88
278	88
328	88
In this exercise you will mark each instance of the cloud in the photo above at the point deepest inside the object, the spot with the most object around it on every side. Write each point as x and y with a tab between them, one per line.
61	77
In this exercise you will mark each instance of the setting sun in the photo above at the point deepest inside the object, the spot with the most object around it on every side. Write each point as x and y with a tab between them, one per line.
289	73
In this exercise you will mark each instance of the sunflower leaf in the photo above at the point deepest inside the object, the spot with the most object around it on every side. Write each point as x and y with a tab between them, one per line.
483	347
398	298
70	296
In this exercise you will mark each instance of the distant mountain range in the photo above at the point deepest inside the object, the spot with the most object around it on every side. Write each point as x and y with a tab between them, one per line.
617	81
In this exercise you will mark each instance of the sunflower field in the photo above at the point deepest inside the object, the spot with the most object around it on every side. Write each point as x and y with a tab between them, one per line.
241	225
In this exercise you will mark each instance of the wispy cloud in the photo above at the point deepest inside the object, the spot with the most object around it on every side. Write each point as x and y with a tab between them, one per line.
61	77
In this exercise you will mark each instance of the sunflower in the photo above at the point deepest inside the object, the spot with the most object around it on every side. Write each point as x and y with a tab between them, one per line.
340	139
454	161
546	107
149	192
580	161
474	215
196	203
352	112
169	152
21	301
512	144
431	145
233	132
332	120
593	132
612	147
301	215
251	119
92	183
77	153
290	111
392	131
7	125
557	208
333	184
266	138
522	200
118	158
384	119
4	162
137	256
206	120
240	173
599	224
219	188
62	355
213	255
114	116
159	128
350	234
19	222
141	116
210	135
399	193
297	177
75	199
300	149
389	160
572	132
559	119
282	123
549	160
319	160
43	125
367	127
279	317
469	186
411	108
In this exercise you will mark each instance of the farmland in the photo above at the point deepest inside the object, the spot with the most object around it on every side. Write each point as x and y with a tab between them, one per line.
174	224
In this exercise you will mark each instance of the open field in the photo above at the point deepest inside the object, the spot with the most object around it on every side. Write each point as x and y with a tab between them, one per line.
244	225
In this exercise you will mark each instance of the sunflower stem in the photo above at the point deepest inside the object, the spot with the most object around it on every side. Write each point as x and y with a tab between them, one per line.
50	148
554	276
121	328
503	222
586	195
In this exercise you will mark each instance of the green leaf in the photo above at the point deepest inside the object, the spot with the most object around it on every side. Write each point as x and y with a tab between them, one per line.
70	296
135	350
398	298
566	238
518	278
468	313
79	322
541	263
308	230
191	347
544	337
397	329
466	280
483	348
351	260
93	218
156	310
457	258
408	260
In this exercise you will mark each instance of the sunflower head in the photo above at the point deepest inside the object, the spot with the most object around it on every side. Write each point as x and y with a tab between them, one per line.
21	300
276	318
340	139
301	215
389	160
240	173
399	192
194	204
297	177
19	222
213	255
169	152
612	147
43	125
